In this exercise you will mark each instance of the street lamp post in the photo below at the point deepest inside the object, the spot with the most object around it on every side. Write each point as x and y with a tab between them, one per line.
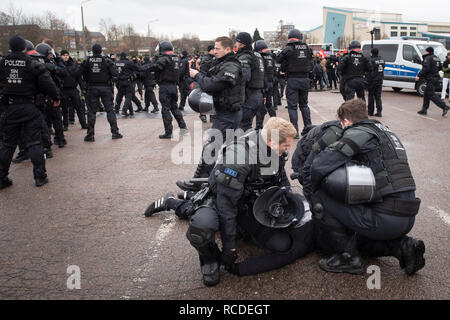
82	24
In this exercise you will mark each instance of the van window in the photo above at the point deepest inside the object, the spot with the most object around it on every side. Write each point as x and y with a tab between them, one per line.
409	53
387	51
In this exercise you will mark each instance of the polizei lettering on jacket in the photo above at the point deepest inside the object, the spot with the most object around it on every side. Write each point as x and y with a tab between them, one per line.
95	59
15	63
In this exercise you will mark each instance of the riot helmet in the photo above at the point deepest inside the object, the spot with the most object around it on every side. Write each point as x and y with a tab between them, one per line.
200	101
261	46
351	184
30	45
44	49
295	35
355	44
164	46
278	208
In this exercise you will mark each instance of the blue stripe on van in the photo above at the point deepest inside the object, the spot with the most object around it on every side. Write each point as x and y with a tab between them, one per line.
399	70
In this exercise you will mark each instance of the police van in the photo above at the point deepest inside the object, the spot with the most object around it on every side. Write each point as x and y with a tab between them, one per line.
403	56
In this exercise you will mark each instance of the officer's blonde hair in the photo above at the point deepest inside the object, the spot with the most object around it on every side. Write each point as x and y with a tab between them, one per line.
285	129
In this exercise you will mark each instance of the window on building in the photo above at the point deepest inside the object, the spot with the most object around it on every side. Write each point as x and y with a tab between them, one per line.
394	33
403	34
410	53
413	34
404	28
394	27
413	28
387	51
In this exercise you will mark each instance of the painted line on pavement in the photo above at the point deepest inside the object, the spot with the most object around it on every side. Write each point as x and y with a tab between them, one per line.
441	213
318	113
162	233
411	113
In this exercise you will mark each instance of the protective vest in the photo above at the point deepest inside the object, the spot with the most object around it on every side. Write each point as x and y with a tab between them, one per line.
388	161
19	75
300	60
171	71
268	67
231	98
436	66
97	70
355	67
378	65
256	63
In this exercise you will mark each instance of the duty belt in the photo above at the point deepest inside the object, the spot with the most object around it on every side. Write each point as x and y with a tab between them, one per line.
20	100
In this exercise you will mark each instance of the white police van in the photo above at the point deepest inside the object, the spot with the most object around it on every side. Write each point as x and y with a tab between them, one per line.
403	56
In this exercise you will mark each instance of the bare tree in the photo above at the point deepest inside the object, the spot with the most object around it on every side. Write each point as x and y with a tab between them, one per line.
281	36
5	19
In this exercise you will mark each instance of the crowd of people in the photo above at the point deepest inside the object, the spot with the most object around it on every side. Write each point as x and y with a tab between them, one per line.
41	92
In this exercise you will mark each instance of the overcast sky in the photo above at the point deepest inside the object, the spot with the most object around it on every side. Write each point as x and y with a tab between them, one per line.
209	18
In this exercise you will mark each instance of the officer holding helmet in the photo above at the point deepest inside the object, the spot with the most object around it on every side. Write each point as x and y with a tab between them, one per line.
296	60
363	196
224	81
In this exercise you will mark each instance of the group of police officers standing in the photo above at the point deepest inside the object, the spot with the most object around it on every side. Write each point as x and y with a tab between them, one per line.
243	200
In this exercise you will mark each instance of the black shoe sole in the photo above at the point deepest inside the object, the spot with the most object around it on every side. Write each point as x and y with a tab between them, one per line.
323	265
6	185
41	183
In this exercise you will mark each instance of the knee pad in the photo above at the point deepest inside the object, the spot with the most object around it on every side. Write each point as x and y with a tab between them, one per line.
200	237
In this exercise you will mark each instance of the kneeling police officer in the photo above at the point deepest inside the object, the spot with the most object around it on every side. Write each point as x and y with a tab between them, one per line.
247	194
363	196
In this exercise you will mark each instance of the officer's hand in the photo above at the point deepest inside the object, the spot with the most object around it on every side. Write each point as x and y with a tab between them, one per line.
56	103
228	257
192	72
417	79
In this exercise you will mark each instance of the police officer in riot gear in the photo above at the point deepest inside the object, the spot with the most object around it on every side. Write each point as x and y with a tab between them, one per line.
246	198
125	85
375	83
253	72
224	81
71	96
149	85
184	79
296	59
353	66
53	114
20	78
166	69
99	73
206	62
262	48
372	215
431	66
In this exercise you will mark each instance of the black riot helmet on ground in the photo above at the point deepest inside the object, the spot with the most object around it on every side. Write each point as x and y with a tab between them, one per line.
295	35
278	208
261	46
165	46
44	49
354	45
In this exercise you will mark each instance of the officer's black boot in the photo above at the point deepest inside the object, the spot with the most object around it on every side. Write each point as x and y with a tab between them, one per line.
165	136
117	135
5	182
89	138
407	250
422	111
343	263
200	172
444	113
159	205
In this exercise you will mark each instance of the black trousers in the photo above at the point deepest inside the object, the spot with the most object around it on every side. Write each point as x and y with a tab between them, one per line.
71	102
374	92
251	107
268	107
276	93
184	92
53	117
105	93
168	97
332	79
150	97
127	92
431	95
297	96
354	85
22	120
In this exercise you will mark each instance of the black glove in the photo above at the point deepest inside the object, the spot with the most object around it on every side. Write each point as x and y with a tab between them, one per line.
228	257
